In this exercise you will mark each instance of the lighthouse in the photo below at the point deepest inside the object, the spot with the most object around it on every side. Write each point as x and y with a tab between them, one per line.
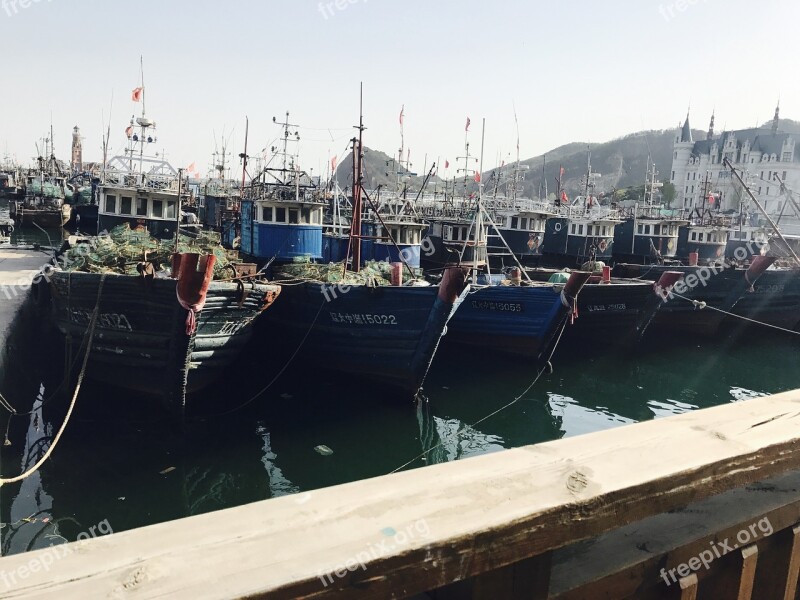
77	151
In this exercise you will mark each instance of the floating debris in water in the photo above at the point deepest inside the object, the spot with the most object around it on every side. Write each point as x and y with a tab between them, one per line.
167	470
323	450
287	396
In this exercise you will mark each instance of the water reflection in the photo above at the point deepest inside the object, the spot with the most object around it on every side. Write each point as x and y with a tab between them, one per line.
121	459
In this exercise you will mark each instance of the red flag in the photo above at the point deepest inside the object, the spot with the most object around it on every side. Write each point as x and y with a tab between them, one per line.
562	171
136	94
129	131
477	177
191	167
402	111
711	199
446	164
333	165
564	198
468	122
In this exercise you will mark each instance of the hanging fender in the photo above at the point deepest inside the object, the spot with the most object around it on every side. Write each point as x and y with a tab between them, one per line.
193	283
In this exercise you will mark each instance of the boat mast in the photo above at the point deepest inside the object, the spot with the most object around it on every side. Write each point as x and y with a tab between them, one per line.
358	174
479	212
243	155
772	223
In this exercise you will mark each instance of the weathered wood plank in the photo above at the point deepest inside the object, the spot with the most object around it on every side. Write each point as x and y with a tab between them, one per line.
415	531
689	587
793	571
634	560
748	574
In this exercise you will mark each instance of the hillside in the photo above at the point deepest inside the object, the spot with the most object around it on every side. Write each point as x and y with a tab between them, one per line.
622	163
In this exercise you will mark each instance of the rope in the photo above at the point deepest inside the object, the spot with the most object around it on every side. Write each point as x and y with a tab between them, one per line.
544	368
278	375
702	305
56	439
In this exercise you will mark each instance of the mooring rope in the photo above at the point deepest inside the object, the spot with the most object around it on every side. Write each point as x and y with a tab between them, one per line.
699	304
545	366
63	427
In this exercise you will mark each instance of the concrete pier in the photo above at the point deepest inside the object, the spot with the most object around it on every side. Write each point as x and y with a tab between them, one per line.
18	268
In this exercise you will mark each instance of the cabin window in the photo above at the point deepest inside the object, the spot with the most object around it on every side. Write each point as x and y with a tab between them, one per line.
158	208
694	236
141	207
126	207
305	215
640	229
514	222
656	229
523	223
580	229
266	214
316	216
294	216
280	215
170	212
111	204
572	229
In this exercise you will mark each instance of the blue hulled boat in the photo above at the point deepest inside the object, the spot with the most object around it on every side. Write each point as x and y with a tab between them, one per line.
384	331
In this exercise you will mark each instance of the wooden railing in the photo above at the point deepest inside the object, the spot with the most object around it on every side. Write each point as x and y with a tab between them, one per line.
624	513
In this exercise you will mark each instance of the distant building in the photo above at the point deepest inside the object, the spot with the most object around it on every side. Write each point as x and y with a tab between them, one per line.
761	155
77	151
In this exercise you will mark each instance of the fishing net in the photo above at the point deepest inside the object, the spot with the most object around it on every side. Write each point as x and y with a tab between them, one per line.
46	189
123	248
375	273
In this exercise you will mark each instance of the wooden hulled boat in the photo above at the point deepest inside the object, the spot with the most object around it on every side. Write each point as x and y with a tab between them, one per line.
161	336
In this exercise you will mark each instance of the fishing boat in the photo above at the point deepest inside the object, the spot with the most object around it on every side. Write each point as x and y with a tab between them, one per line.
144	191
281	208
161	323
220	200
356	323
11	186
648	233
44	204
84	201
6	229
613	311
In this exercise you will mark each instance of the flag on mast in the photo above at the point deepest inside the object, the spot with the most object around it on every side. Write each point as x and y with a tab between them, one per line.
402	111
136	94
468	123
446	164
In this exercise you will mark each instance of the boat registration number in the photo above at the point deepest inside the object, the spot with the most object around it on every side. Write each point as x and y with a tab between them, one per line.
113	321
770	289
604	307
361	319
501	306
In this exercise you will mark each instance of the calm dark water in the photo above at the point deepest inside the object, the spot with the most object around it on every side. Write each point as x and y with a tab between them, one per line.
121	464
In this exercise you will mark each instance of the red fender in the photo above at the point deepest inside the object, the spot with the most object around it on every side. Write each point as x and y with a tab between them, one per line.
193	284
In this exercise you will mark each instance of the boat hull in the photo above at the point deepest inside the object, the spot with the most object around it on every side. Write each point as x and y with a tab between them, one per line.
774	297
385	334
27	216
141	341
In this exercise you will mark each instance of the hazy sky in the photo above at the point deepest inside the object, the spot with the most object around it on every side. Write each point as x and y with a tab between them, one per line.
575	70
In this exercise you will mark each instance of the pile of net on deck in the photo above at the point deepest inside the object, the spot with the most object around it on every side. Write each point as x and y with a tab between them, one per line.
46	189
374	272
123	248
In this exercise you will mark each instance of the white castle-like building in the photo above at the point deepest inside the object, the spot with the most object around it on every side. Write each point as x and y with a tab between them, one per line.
762	156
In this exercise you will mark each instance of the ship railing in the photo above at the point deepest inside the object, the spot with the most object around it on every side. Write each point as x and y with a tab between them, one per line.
701	505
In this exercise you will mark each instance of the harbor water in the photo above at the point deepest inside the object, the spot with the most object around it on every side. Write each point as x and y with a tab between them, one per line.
122	463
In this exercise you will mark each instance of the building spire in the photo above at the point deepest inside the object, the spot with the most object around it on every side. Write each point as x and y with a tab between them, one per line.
777	118
711	126
686	131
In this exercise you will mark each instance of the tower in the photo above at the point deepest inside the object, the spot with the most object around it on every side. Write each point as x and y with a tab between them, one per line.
776	119
77	151
681	156
711	128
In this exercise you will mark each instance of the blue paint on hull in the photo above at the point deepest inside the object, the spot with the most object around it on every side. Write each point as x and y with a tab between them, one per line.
386	334
512	320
